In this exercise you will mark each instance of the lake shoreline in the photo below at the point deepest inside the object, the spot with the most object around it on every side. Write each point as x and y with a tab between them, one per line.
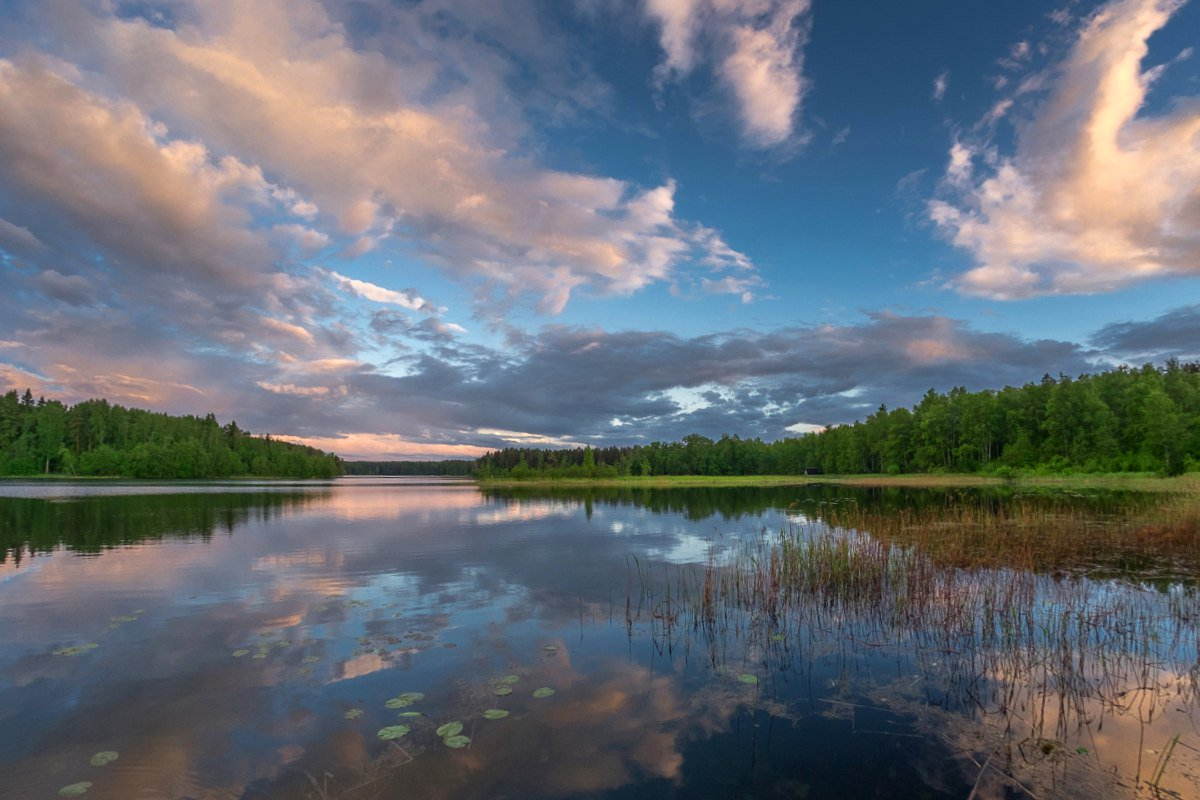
1188	483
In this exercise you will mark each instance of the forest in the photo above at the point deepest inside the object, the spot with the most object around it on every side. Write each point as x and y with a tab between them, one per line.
96	438
1121	420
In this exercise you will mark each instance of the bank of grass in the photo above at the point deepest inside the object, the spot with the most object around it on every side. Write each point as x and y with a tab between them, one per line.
1133	481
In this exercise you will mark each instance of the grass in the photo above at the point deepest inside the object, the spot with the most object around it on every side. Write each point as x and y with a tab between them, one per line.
1158	539
1133	481
984	599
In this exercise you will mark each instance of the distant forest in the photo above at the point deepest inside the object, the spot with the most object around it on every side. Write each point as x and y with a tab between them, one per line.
1123	420
448	468
96	438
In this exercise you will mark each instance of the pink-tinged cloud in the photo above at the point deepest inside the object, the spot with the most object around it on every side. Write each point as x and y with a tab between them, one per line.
756	48
279	86
385	447
1097	195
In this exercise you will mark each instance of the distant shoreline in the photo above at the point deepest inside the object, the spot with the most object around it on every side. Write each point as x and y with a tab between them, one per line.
1138	481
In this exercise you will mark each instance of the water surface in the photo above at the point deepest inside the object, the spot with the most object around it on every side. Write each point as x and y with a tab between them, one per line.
243	639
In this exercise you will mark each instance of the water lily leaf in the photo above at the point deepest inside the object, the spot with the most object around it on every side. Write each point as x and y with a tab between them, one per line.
495	713
746	677
411	714
104	757
500	691
405	700
457	742
74	651
778	637
353	713
510	679
545	691
283	643
310	659
242	652
124	618
75	789
551	648
393	732
449	729
259	655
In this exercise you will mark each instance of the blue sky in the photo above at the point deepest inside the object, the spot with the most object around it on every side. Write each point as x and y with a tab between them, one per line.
425	229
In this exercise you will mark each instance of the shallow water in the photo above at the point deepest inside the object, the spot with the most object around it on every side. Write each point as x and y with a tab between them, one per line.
217	636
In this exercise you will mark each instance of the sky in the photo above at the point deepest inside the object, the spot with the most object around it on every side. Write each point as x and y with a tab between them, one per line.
420	229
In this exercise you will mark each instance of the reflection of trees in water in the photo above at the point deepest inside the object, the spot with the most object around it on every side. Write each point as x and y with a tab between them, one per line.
1043	662
89	525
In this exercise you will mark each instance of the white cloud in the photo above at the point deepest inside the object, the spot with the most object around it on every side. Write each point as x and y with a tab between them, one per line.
1095	197
756	49
940	84
378	294
345	127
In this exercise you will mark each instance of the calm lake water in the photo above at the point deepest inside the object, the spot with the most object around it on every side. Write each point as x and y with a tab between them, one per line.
244	639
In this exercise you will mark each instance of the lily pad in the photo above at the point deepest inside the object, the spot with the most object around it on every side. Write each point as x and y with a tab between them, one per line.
545	691
510	679
283	643
449	729
310	659
259	655
746	677
74	651
457	742
405	700
495	713
104	757
353	713
411	714
500	691
75	789
242	652
393	732
124	618
551	648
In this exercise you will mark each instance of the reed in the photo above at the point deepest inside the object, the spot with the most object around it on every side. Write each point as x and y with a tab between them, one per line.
989	605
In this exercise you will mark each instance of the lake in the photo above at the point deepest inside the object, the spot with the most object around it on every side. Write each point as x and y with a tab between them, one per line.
367	638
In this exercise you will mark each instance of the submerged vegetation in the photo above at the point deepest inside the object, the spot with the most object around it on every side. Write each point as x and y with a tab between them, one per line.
1124	420
94	438
1017	630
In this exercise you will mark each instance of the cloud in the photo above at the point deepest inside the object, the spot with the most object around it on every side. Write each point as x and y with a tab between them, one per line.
756	50
940	83
569	383
1173	334
386	151
378	294
71	289
1098	195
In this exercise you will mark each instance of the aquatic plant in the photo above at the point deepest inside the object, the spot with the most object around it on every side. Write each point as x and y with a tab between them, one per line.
393	732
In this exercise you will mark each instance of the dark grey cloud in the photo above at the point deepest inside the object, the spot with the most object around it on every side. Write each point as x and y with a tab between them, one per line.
72	289
1174	334
571	383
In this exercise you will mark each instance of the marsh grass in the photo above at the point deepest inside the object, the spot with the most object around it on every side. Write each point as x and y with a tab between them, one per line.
994	605
1155	539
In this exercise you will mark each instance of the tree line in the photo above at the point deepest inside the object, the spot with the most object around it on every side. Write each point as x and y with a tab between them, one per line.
97	438
1121	420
